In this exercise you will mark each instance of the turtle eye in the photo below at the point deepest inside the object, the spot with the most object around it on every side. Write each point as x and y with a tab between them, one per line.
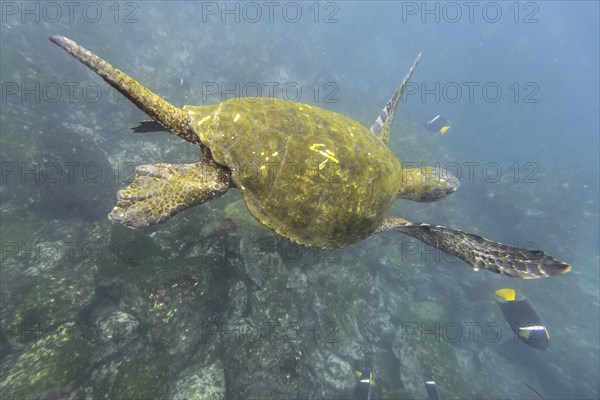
438	192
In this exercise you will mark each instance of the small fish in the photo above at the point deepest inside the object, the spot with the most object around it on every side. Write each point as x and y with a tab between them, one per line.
430	385
523	318
362	389
181	83
438	124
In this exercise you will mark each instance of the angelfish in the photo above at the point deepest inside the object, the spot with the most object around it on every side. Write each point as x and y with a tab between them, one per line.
362	388
438	124
430	385
523	319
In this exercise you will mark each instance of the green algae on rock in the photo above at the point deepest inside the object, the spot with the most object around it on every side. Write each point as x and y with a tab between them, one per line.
50	367
141	379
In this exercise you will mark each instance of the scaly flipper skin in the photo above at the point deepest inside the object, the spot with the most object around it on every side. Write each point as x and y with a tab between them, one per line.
173	118
480	252
162	190
383	124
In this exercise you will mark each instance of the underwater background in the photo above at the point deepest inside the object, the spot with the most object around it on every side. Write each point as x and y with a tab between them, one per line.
213	305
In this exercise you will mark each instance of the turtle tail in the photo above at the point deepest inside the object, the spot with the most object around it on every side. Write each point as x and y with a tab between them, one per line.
173	118
480	252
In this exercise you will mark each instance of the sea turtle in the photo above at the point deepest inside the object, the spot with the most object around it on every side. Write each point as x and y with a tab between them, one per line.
313	176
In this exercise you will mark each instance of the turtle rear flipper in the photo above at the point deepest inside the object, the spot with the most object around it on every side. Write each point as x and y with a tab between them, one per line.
167	115
480	252
160	191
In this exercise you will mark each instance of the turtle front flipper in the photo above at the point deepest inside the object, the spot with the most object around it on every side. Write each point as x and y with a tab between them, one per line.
480	252
160	191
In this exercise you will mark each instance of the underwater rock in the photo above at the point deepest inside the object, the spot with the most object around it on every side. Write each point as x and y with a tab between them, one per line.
49	367
200	383
120	340
261	260
264	352
426	311
141	379
265	370
238	301
335	374
375	330
419	344
181	308
119	333
50	300
177	304
268	327
117	324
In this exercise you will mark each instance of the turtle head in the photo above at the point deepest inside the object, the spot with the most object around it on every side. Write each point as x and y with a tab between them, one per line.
437	189
427	184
